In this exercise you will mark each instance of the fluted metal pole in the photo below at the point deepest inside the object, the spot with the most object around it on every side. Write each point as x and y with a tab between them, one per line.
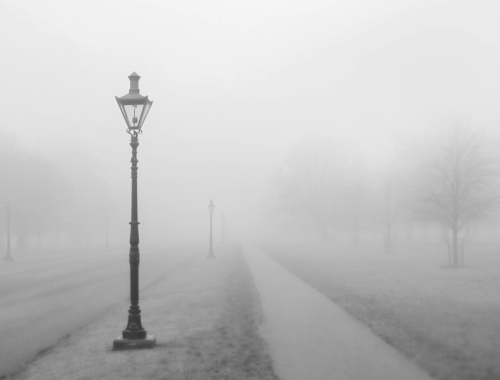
134	328
134	335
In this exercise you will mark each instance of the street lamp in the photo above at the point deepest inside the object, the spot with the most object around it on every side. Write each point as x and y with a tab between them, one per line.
222	232
8	257
134	108
107	232
211	207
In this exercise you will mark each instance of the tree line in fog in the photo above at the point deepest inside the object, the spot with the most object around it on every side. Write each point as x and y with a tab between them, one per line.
64	200
450	180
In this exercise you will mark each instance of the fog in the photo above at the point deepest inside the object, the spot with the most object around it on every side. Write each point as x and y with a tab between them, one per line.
235	86
254	101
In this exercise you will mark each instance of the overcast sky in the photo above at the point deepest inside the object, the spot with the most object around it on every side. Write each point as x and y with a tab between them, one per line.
236	83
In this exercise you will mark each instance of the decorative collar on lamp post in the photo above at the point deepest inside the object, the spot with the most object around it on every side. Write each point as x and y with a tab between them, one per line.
134	106
211	206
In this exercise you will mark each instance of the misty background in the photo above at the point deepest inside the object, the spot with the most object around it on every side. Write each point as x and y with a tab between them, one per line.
237	87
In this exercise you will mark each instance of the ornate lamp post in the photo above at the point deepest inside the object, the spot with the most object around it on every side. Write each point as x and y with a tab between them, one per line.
211	207
134	108
8	257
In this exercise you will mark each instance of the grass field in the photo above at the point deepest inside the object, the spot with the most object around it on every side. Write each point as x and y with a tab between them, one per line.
446	320
205	316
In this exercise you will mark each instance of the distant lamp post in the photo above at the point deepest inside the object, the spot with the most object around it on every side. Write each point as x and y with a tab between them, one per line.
211	208
222	229
8	257
134	108
107	232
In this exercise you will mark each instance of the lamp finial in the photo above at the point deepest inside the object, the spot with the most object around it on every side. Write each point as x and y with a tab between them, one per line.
134	82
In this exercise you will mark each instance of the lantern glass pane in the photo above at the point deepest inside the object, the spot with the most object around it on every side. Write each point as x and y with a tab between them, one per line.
122	109
133	113
145	111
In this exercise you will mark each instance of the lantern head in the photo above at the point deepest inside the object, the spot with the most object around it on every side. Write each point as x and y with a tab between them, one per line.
134	106
211	206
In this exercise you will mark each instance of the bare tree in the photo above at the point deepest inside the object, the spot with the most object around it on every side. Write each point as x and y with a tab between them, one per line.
90	199
455	183
387	205
310	183
357	199
34	187
47	195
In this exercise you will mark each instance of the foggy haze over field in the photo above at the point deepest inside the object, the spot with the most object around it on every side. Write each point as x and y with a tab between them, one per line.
235	85
354	144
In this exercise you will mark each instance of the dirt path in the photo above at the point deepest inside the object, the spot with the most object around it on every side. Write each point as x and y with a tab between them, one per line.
312	338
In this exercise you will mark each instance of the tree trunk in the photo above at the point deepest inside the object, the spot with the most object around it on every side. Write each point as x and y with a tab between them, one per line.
454	246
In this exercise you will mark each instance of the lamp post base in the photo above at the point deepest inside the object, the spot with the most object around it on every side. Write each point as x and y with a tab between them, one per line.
8	258
121	343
